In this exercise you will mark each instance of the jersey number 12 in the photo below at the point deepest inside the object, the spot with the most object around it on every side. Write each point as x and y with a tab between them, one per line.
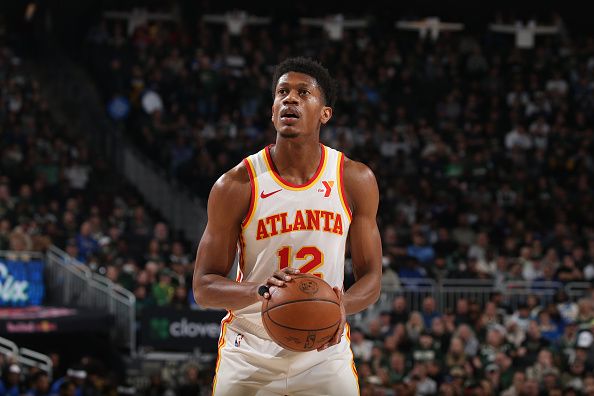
314	256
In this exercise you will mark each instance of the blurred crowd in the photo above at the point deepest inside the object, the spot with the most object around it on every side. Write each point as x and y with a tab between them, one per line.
483	153
484	157
54	191
534	349
90	377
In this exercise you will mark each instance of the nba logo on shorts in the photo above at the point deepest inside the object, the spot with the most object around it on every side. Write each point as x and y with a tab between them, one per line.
238	339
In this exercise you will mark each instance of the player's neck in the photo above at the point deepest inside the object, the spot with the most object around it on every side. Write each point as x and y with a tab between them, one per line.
296	161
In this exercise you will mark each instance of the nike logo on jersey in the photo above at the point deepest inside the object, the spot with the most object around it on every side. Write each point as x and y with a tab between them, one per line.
262	195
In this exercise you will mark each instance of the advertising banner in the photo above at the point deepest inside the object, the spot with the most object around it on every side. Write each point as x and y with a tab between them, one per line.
181	330
38	319
21	283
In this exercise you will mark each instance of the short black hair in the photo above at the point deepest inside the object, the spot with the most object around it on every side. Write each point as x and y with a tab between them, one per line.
311	68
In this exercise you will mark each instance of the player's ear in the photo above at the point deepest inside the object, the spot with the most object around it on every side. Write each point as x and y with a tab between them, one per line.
326	114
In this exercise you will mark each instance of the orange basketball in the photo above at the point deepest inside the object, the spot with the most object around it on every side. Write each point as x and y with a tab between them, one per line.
303	315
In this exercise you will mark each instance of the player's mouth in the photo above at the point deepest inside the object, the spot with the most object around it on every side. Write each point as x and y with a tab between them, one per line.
289	116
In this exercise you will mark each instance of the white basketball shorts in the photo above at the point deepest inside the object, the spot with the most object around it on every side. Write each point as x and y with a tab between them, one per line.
249	365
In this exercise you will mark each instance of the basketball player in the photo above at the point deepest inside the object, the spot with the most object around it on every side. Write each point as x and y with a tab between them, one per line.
287	209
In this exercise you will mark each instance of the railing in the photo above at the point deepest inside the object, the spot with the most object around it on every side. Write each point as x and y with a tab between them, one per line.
70	282
8	347
26	357
448	291
183	210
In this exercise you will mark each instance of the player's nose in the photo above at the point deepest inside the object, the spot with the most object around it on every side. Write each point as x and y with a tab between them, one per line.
292	97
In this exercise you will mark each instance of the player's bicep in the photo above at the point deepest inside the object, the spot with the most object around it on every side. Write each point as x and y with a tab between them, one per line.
366	248
365	241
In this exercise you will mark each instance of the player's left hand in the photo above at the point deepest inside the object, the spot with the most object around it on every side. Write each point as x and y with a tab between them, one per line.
338	335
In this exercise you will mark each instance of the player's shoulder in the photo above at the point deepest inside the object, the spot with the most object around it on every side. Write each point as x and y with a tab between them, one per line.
234	180
356	171
360	184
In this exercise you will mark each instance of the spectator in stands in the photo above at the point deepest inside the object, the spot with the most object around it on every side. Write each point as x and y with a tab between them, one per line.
584	349
573	378
75	376
164	290
178	255
441	335
467	335
568	271
411	271
544	365
505	363
67	388
426	350
399	312
532	344
429	311
517	386
522	316
456	355
86	244
567	309
397	369
192	384
180	297
549	329
421	250
585	315
10	385
40	385
462	313
361	347
415	326
494	343
418	377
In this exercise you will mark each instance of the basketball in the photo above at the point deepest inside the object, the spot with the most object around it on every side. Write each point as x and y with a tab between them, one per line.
303	315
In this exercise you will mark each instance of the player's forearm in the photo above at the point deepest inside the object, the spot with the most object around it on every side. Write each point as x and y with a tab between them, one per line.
216	291
364	292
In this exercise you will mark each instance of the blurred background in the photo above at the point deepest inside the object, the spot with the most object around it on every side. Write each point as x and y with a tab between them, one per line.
116	117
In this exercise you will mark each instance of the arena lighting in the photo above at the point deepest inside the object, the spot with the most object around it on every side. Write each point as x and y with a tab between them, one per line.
525	33
139	17
236	20
334	25
430	25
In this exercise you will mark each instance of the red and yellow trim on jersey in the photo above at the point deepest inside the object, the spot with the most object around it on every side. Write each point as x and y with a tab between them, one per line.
254	196
226	320
341	192
241	266
353	367
292	186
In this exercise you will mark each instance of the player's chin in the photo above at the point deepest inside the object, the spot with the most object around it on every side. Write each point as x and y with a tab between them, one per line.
288	134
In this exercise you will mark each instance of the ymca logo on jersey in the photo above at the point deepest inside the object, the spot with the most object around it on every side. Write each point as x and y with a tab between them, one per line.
328	184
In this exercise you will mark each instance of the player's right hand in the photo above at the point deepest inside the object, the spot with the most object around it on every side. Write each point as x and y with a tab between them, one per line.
277	279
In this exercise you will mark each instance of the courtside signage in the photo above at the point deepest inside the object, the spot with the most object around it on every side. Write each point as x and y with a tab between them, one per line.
21	283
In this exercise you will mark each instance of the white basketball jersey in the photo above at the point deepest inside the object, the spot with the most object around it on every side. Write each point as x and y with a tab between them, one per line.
300	226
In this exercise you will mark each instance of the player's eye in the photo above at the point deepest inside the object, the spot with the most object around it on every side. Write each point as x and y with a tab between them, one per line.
281	91
303	92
